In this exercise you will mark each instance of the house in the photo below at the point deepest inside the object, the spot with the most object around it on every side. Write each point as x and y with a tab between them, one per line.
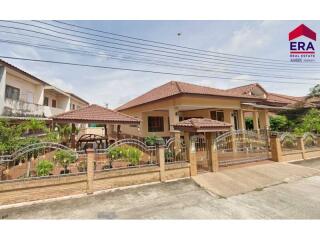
23	96
166	105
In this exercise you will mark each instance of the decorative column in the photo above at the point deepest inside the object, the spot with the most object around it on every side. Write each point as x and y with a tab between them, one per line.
264	119
173	118
242	123
90	170
256	121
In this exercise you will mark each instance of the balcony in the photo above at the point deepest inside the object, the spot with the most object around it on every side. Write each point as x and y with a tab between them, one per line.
18	108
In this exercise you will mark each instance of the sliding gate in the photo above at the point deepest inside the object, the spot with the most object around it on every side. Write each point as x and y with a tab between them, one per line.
242	146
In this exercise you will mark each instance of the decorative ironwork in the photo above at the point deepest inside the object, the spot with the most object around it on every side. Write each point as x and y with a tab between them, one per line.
242	146
175	151
46	159
310	140
125	153
289	142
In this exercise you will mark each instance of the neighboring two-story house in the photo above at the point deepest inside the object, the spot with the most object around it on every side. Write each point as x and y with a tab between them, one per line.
23	95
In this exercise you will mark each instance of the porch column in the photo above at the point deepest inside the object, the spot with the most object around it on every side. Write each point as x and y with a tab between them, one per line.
242	123
173	118
264	119
73	136
227	116
256	121
177	142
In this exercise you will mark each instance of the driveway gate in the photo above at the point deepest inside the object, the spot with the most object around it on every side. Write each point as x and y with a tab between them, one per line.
202	154
242	146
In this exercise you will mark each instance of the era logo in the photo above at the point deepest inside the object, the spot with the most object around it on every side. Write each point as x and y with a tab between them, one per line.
301	46
302	49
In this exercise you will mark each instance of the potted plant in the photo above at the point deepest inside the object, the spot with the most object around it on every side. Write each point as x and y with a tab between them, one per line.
65	158
44	167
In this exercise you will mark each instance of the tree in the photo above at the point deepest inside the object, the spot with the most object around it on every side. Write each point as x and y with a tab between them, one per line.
314	92
310	122
279	123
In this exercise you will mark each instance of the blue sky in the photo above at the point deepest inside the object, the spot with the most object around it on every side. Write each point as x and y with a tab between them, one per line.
264	39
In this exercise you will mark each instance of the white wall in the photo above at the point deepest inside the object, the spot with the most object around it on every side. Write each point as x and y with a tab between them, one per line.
2	87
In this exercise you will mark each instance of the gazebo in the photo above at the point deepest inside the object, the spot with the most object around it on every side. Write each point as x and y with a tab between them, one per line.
208	127
93	114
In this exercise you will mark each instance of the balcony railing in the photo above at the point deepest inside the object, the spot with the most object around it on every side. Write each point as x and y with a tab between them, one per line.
18	108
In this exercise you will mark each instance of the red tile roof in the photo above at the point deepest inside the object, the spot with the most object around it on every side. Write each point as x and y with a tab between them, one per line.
174	88
284	99
202	124
95	114
246	89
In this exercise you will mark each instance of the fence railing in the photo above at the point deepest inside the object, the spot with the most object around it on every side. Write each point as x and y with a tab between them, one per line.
175	151
125	153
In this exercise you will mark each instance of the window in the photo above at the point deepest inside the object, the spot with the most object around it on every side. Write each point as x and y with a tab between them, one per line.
155	124
46	101
217	115
12	92
73	107
54	103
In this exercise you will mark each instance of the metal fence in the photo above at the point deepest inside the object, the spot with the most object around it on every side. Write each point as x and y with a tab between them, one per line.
289	142
125	153
175	151
310	141
42	160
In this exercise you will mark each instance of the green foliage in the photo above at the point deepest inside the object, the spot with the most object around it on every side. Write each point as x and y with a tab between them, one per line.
51	137
44	167
64	158
249	123
288	142
310	122
279	123
315	91
10	136
33	126
153	140
168	154
128	153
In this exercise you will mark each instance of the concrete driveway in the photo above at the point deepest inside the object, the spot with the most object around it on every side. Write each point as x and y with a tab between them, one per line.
298	198
231	182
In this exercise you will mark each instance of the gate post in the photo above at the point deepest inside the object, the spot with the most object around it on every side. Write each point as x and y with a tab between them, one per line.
276	151
213	154
191	152
301	147
90	170
161	160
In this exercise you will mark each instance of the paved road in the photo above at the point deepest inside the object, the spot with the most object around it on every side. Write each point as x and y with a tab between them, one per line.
184	200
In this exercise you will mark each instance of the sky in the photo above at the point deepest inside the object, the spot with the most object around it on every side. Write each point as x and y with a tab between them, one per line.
262	39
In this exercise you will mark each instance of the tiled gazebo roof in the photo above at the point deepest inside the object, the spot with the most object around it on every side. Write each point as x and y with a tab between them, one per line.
95	114
202	125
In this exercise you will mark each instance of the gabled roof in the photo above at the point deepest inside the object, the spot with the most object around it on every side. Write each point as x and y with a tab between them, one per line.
202	125
174	88
302	30
284	99
95	114
246	89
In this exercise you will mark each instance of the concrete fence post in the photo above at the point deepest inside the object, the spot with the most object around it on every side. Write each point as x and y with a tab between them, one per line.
301	147
90	170
214	157
276	150
161	160
192	157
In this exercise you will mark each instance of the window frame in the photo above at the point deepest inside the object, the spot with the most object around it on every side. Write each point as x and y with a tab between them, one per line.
153	127
12	93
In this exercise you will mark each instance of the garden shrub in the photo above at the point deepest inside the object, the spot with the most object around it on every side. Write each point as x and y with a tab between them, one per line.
44	167
65	158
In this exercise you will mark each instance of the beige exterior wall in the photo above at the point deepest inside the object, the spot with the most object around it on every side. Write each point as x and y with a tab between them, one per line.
180	104
30	91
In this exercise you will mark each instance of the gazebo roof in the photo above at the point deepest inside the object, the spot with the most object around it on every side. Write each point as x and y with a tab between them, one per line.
202	125
94	114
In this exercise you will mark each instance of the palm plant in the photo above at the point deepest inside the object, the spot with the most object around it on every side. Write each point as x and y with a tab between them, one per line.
65	158
44	167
